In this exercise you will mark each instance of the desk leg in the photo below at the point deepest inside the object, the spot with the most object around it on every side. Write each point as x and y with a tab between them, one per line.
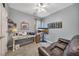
13	45
34	39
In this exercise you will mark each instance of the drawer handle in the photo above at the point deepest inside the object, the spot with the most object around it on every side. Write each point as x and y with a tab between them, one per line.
1	37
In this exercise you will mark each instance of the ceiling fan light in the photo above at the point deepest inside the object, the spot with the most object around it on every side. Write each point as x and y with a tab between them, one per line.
40	7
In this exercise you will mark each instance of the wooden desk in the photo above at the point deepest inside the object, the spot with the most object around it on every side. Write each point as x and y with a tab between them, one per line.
45	30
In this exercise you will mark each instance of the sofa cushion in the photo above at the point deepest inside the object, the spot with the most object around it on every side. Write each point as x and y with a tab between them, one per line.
57	48
61	45
57	52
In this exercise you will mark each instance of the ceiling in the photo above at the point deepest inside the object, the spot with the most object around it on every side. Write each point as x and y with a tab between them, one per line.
29	8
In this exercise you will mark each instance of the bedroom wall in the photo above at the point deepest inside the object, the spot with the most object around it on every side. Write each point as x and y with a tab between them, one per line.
18	17
70	21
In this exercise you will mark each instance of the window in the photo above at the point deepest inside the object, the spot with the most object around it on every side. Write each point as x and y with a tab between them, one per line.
38	24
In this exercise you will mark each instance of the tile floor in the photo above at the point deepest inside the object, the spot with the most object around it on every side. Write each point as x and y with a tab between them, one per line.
27	50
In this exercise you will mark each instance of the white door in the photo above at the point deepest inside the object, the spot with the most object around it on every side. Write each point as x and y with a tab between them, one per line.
3	31
0	29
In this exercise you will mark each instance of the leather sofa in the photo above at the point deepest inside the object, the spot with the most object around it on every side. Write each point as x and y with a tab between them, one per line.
62	47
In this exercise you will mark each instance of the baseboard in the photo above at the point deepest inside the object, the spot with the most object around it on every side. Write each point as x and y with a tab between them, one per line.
49	41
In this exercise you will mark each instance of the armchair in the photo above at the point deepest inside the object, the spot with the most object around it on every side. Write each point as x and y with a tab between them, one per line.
55	49
62	48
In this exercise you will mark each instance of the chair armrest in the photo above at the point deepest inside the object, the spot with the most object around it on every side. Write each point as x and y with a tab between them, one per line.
52	46
64	40
43	51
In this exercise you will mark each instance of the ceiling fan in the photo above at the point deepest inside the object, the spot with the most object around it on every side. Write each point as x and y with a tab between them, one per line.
40	7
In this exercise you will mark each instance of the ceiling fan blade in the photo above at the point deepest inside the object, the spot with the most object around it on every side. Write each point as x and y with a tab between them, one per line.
44	6
43	10
39	5
35	7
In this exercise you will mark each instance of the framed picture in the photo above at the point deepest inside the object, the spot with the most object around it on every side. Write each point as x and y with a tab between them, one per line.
55	25
24	25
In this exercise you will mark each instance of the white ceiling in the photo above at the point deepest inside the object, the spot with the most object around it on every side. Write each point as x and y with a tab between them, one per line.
29	8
